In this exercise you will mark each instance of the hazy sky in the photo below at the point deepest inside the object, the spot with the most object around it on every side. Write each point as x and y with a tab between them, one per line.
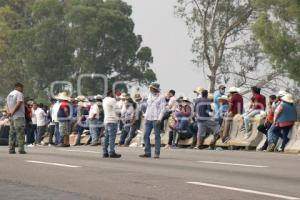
167	36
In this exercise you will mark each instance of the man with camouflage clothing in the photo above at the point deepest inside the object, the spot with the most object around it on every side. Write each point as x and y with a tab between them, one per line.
16	113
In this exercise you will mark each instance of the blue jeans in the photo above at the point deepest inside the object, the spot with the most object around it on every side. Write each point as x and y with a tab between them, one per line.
58	138
149	126
275	132
128	133
94	126
247	117
111	130
40	131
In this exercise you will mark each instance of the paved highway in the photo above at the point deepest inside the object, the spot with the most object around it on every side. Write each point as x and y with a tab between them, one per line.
47	173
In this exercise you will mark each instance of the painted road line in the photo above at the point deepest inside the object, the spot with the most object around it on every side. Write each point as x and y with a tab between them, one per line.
232	164
54	164
80	151
244	190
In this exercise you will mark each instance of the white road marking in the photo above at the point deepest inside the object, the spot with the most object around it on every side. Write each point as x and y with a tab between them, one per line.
54	164
81	151
244	190
233	164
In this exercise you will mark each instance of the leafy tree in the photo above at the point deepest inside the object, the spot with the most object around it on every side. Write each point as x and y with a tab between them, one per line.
223	45
278	30
53	40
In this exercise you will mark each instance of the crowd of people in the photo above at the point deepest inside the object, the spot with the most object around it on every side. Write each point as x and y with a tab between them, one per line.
179	117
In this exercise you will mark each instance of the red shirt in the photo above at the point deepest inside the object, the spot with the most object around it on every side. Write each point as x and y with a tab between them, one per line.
65	106
236	104
258	102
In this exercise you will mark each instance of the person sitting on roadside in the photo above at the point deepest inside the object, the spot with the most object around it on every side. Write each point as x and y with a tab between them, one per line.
128	119
284	118
173	123
236	106
264	127
258	104
219	93
183	116
219	117
170	107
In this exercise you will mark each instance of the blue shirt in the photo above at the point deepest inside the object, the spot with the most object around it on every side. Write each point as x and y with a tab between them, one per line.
216	103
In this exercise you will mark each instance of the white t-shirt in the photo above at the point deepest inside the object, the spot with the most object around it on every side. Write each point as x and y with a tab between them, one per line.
94	110
33	117
54	111
40	117
109	108
12	99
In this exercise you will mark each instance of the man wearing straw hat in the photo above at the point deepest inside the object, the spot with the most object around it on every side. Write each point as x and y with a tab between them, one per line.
64	116
156	105
284	119
16	113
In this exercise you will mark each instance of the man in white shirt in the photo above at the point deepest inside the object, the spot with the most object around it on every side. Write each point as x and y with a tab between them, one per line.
111	125
40	122
94	123
16	113
156	105
54	112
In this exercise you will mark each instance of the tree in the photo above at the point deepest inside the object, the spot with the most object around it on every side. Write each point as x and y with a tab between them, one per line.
53	40
278	30
222	41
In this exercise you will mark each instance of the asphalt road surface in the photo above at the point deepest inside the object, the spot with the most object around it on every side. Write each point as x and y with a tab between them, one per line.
47	173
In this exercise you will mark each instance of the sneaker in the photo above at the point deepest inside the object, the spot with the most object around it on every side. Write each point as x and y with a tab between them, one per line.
22	152
156	156
105	155
145	156
271	148
93	144
30	145
167	147
115	155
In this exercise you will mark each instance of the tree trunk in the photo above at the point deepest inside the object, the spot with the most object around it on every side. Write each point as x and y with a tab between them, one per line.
212	82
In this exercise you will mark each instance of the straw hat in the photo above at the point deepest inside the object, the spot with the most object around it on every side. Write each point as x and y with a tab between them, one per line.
63	96
198	90
282	93
137	97
155	86
224	97
186	99
210	96
234	89
98	97
81	98
288	98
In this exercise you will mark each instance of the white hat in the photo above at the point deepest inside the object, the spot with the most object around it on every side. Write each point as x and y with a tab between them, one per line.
288	98
81	98
224	97
282	93
234	89
186	99
198	90
63	96
98	97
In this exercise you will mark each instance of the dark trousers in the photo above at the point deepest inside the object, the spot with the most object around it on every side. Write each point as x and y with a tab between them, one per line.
51	130
264	128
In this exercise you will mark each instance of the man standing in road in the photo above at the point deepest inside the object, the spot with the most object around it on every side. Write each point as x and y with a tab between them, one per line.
156	105
111	120
16	112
